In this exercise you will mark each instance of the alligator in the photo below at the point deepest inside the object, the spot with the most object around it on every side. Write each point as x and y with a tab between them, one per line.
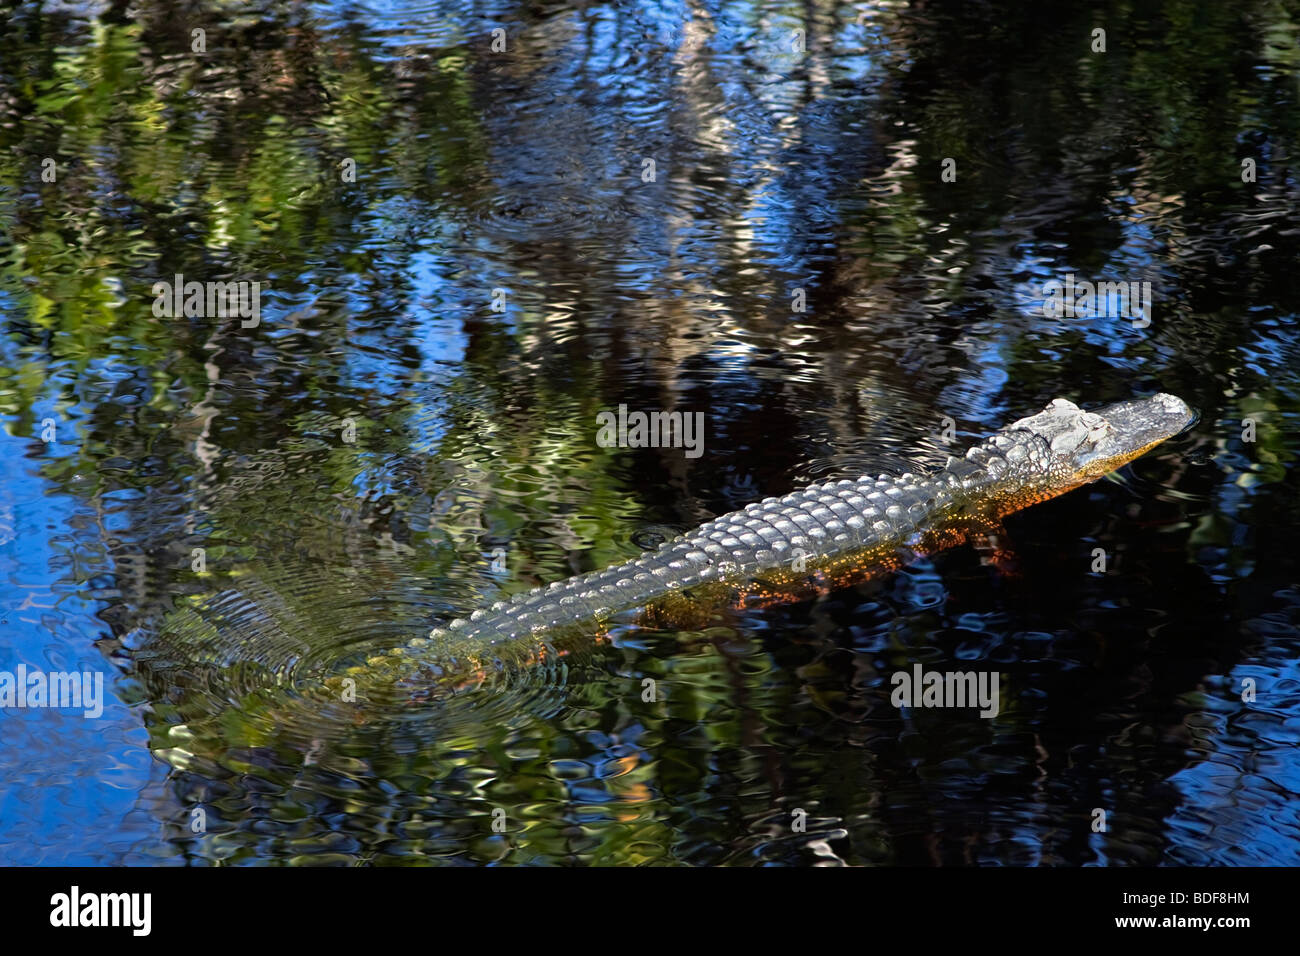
786	548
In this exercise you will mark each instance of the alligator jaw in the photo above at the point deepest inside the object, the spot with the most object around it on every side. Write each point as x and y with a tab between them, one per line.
1136	427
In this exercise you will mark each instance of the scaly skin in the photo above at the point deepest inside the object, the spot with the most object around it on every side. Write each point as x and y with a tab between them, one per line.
784	548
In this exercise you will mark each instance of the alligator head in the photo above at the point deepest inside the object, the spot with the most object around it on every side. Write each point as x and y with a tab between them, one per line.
1080	446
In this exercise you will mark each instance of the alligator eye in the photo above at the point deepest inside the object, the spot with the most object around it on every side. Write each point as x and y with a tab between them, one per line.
1099	431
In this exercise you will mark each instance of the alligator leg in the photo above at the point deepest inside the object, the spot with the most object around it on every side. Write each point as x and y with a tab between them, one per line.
994	548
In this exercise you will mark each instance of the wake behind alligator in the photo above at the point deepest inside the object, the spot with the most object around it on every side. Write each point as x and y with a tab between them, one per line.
776	550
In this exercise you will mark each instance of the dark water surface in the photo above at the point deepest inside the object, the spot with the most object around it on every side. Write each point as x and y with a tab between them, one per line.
775	170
